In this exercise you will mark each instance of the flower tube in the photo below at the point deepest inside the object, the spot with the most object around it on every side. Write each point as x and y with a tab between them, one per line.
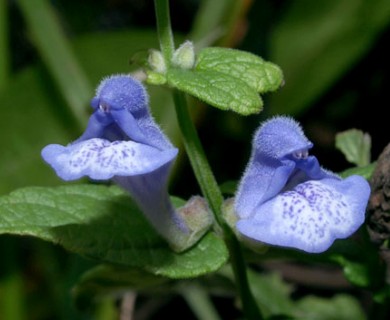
122	142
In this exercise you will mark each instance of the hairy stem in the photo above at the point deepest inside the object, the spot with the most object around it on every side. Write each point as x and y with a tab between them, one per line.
164	29
214	197
202	170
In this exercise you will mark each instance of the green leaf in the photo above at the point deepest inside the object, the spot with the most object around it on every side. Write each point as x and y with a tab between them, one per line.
103	223
217	89
27	116
4	45
355	145
340	307
55	51
260	75
315	43
271	293
356	272
228	79
366	171
108	280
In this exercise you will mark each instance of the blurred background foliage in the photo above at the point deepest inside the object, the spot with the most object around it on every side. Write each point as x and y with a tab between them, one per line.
334	54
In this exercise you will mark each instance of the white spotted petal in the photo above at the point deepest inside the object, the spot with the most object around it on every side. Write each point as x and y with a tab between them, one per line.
309	217
101	159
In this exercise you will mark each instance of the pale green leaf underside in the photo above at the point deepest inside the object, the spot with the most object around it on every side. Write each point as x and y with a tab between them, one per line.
260	75
366	171
217	89
355	145
340	306
103	223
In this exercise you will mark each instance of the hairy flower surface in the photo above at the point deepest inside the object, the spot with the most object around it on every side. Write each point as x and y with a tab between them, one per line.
286	199
122	142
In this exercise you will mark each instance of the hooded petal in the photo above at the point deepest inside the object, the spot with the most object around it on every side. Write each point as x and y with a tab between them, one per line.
269	168
279	137
123	101
261	181
101	159
311	216
285	198
123	142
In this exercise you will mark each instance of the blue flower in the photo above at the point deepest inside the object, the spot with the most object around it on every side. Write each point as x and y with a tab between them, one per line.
122	142
286	199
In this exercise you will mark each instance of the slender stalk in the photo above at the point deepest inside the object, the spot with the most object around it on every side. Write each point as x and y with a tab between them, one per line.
57	55
164	29
202	170
214	197
12	298
199	302
199	163
12	302
4	49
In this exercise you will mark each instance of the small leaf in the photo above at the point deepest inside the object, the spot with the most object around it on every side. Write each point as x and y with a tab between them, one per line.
103	223
366	171
356	272
269	290
260	75
271	293
340	307
355	145
217	89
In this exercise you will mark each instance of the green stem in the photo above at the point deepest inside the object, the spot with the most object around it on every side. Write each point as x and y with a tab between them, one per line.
164	29
202	170
197	157
57	55
4	56
200	303
12	297
214	197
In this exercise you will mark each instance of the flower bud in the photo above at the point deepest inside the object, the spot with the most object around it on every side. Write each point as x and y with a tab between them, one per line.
156	61
184	56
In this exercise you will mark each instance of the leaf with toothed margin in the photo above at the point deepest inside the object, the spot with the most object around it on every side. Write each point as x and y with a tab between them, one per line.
217	89
257	73
355	145
228	79
103	223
